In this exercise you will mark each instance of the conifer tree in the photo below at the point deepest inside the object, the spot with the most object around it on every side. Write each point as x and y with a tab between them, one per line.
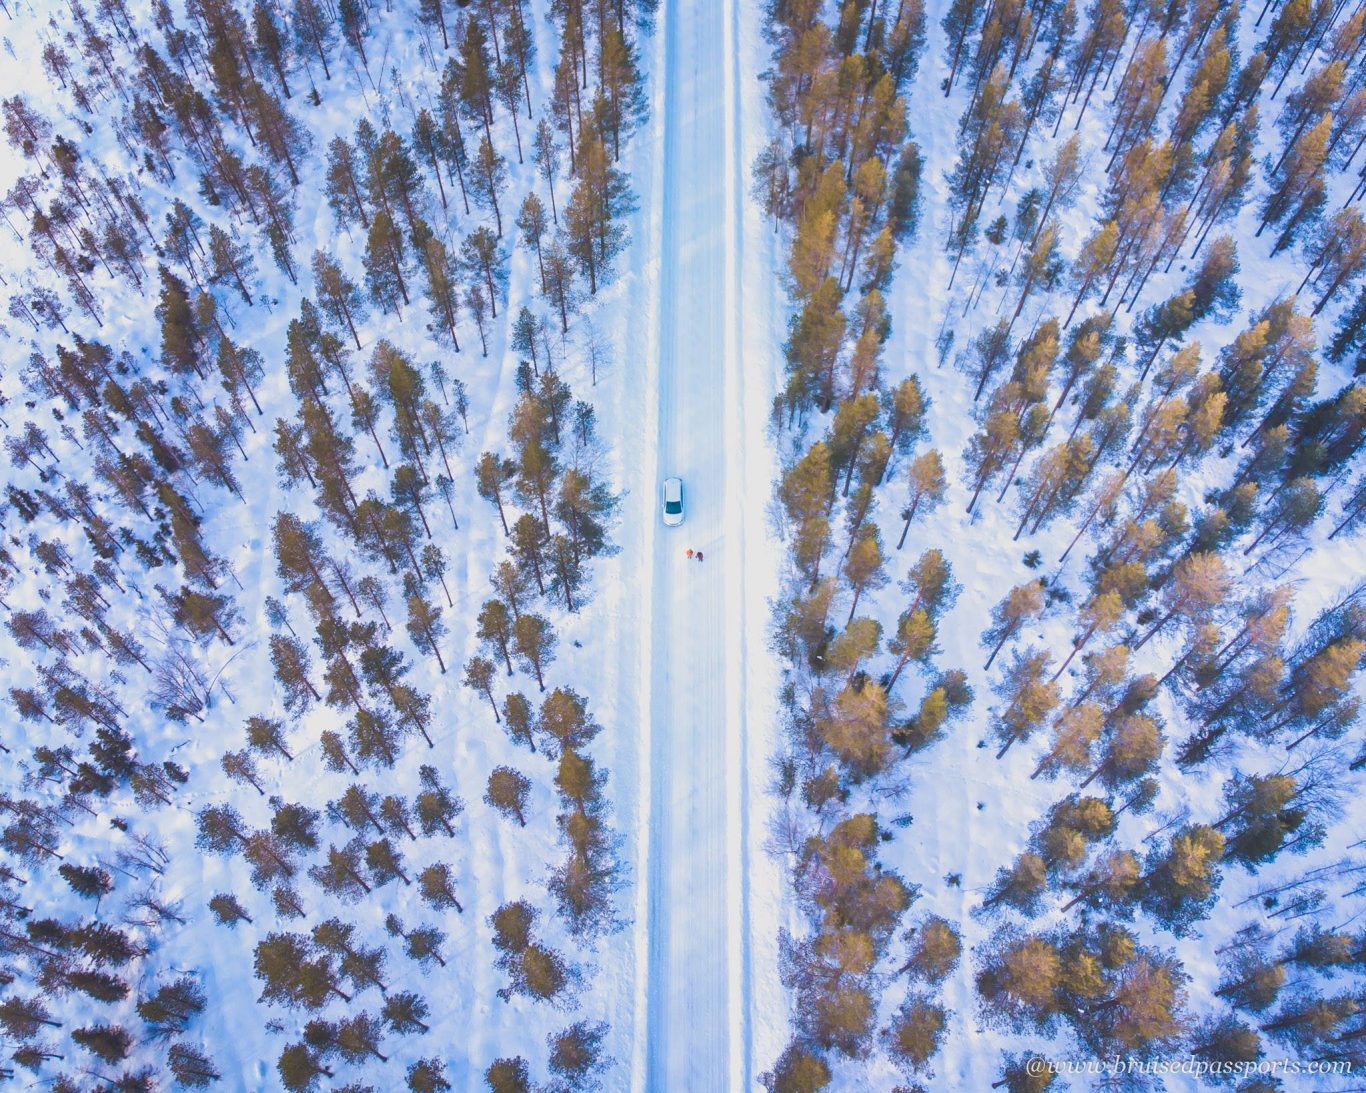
1020	979
531	223
864	565
1028	698
1299	195
384	264
338	296
1179	883
479	673
594	236
488	179
1020	885
927	488
425	626
1199	584
481	257
87	881
1337	255
534	642
1021	605
575	1053
508	791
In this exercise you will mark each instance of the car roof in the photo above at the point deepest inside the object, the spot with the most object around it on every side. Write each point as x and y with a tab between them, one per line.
673	487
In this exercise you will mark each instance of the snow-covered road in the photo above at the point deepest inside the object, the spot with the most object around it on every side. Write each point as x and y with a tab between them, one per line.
697	1018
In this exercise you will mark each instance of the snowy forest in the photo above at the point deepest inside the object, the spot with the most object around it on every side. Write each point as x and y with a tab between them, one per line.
264	263
1072	615
1019	722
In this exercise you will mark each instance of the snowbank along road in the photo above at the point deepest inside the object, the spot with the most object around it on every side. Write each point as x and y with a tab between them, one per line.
697	1024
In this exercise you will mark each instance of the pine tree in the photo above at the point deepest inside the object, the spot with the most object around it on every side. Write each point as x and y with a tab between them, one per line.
479	674
385	862
853	424
813	347
425	626
935	950
438	888
24	1018
284	139
340	874
1353	508
1041	268
1337	254
1097	257
358	1038
1020	885
343	184
576	1053
1028	698
384	263
927	488
798	1070
267	735
492	476
436	807
508	790
1075	734
1211	290
1299	194
1020	980
1021	605
508	1075
338	296
404	1012
355	25
27	131
594	234
532	224
292	667
431	141
112	1043
1130	750
564	717
489	179
191	1066
930	585
1199	583
476	80
442	290
482	257
1225	1038
227	909
295	825
560	285
428	1076
913	641
534	642
298	1066
230	261
88	882
620	78
1180	883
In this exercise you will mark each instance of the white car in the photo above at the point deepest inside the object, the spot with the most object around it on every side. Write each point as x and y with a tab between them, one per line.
673	502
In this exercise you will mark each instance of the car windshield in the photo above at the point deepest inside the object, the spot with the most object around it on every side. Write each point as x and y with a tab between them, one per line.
673	508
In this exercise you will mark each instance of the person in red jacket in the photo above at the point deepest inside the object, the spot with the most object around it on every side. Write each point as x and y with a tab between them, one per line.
689	552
